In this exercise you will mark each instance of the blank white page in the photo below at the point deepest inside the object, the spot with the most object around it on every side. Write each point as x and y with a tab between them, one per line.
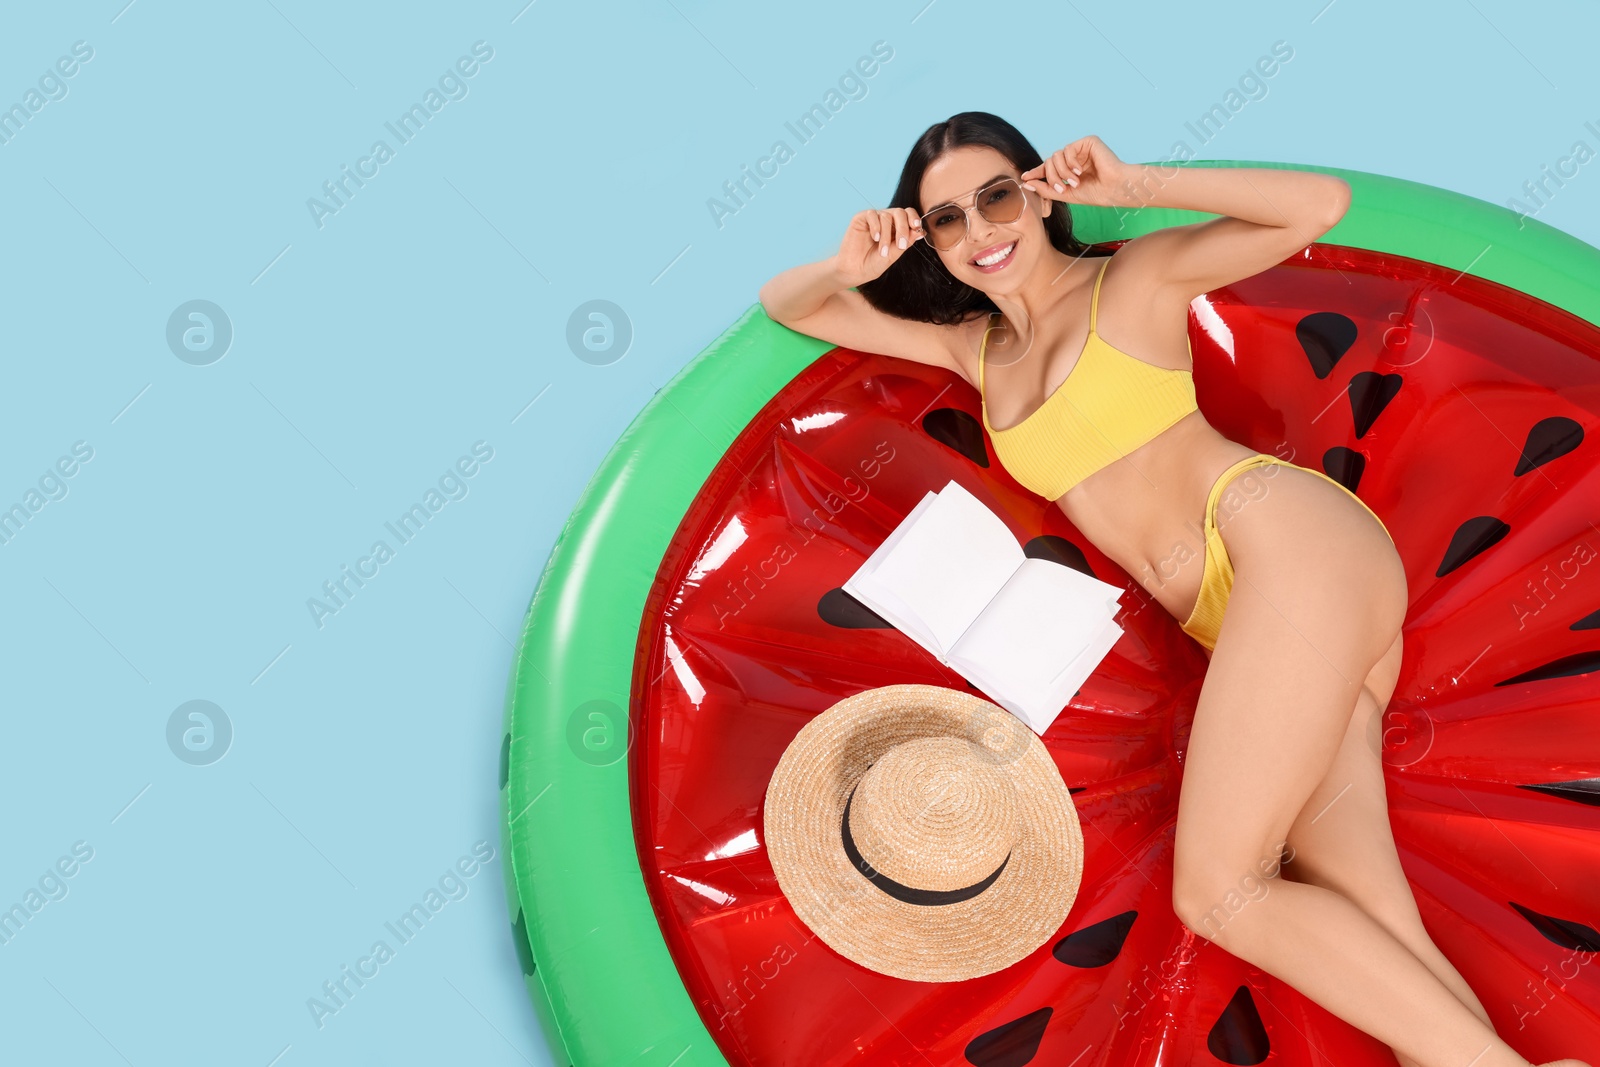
1040	622
948	565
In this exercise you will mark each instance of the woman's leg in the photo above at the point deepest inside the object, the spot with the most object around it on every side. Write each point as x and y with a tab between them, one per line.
1342	841
1318	597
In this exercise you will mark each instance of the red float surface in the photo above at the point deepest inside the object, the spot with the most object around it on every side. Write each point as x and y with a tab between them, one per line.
1461	411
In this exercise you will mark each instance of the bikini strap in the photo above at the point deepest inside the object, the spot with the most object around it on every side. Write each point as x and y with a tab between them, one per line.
982	346
1094	300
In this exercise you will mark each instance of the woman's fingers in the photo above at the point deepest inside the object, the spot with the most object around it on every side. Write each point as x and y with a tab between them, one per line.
1081	153
887	228
867	223
877	223
1067	161
885	231
1059	166
913	227
897	227
862	235
1057	173
904	230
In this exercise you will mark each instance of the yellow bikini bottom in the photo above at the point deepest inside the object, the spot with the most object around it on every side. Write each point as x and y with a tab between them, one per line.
1216	583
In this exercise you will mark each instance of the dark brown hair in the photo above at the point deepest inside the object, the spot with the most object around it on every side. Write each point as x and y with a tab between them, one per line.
918	285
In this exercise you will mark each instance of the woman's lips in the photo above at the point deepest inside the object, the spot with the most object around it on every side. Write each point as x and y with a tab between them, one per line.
1000	265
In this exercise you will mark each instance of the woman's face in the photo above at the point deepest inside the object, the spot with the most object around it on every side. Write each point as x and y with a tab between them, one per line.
954	178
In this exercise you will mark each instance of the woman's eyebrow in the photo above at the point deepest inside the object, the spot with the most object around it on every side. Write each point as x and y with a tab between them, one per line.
980	185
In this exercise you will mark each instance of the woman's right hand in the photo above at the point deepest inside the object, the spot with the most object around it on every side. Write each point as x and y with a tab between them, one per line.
875	240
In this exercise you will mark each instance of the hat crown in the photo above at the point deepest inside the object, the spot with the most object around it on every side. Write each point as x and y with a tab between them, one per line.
935	813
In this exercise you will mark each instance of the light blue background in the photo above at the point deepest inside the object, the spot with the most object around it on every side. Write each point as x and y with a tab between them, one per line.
431	313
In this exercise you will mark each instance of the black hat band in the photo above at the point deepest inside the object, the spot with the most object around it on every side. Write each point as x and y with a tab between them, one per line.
908	894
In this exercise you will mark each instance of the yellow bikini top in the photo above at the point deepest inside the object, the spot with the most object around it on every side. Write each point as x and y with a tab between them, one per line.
1109	405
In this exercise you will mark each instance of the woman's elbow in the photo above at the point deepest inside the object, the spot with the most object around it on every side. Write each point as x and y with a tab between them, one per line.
767	305
1336	203
764	297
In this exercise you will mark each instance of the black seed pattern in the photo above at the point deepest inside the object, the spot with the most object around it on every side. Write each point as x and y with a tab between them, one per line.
1549	439
1344	465
1096	945
1583	790
1057	550
1325	336
1590	621
1565	667
519	936
1568	933
1477	534
1238	1035
958	430
1010	1045
505	760
1370	392
838	608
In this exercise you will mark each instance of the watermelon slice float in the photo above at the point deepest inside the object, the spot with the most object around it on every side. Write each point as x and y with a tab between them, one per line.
1431	354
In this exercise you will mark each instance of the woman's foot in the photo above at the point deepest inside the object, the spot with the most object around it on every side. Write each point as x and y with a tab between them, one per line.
1564	1063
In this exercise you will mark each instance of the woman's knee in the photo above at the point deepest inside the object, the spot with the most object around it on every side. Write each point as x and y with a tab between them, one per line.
1210	890
1389	904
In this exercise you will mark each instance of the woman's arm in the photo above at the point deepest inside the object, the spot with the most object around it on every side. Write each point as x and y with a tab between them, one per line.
816	299
1287	199
799	291
873	241
819	299
1267	214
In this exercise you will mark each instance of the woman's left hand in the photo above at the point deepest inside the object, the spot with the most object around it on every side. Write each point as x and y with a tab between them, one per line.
1084	172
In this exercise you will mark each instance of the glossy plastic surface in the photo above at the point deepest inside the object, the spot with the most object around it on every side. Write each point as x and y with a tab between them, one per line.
1461	411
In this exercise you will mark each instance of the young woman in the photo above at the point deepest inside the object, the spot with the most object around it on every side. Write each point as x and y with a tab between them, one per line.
973	268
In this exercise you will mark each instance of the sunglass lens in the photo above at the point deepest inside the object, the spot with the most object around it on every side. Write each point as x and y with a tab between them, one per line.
1001	202
945	226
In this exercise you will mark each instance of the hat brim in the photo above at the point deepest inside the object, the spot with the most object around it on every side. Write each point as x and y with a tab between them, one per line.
805	802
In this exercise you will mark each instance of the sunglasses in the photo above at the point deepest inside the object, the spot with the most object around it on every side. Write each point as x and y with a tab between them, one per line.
1000	201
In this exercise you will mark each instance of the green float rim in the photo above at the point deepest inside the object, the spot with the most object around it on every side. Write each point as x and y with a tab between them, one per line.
596	965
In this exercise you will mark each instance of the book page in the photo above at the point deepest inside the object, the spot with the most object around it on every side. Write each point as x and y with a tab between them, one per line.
898	615
943	565
1040	708
1059	690
896	535
888	606
1038	627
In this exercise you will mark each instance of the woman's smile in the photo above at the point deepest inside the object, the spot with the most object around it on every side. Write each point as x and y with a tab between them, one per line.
986	261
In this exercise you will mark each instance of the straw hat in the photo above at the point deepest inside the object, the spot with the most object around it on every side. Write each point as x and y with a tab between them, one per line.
924	833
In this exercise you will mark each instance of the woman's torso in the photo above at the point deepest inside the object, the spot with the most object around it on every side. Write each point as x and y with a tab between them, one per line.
1146	510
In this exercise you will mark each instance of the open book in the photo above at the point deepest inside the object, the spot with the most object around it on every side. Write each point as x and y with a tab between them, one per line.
1026	632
